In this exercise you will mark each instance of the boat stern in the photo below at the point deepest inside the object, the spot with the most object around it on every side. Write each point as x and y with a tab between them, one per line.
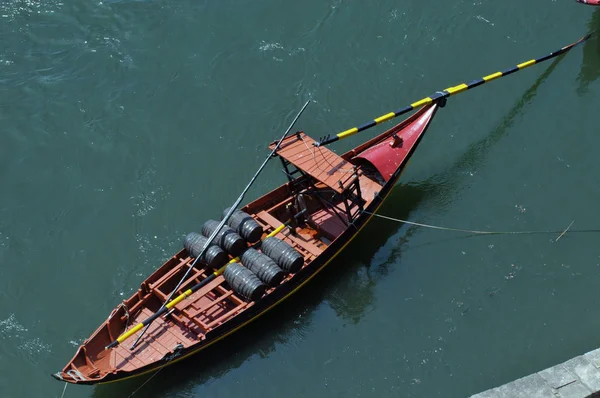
92	363
84	370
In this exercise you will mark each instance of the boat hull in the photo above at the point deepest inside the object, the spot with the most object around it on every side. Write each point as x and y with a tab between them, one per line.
266	304
304	275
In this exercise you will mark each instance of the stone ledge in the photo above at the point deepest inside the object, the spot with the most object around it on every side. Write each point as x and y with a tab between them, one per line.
576	378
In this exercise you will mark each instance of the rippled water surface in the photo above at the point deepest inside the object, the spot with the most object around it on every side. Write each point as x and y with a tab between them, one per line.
126	124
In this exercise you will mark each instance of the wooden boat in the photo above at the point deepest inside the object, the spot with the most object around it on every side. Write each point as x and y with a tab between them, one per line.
328	197
298	227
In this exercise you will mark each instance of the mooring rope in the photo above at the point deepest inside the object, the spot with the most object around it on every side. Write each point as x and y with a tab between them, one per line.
477	232
173	356
64	389
147	380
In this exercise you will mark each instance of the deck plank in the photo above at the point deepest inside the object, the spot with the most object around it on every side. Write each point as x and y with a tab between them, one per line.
318	162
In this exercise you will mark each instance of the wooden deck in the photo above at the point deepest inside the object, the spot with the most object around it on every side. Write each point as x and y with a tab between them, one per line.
318	162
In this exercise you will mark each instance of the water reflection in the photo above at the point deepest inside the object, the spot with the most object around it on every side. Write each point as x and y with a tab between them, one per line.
590	67
444	186
353	292
259	338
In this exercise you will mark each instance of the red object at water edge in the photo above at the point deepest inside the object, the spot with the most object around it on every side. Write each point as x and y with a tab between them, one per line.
589	2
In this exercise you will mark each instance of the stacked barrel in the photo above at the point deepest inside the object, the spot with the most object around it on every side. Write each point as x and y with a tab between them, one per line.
254	271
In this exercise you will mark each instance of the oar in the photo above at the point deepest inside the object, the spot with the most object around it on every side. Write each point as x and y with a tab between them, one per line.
179	298
216	231
328	139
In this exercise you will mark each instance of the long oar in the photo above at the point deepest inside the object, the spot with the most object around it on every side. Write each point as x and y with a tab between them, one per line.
216	231
179	298
446	93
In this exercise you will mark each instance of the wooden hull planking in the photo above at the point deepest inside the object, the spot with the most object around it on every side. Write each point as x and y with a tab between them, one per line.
216	311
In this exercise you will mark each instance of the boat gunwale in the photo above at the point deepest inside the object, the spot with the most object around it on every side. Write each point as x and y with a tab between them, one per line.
285	290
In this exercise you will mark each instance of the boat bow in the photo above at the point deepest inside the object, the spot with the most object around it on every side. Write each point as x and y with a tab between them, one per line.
388	155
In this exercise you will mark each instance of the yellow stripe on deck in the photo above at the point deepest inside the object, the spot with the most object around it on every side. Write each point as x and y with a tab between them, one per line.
134	330
183	295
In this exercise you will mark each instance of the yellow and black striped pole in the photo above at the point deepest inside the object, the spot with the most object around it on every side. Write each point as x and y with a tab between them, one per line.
446	93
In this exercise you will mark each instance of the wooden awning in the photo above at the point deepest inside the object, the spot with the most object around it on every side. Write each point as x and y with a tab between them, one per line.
318	162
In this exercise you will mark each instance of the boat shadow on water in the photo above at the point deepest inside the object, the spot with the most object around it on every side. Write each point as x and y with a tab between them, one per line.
590	66
347	285
287	320
442	188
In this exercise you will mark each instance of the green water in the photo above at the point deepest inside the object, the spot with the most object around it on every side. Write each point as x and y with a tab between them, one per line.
126	124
